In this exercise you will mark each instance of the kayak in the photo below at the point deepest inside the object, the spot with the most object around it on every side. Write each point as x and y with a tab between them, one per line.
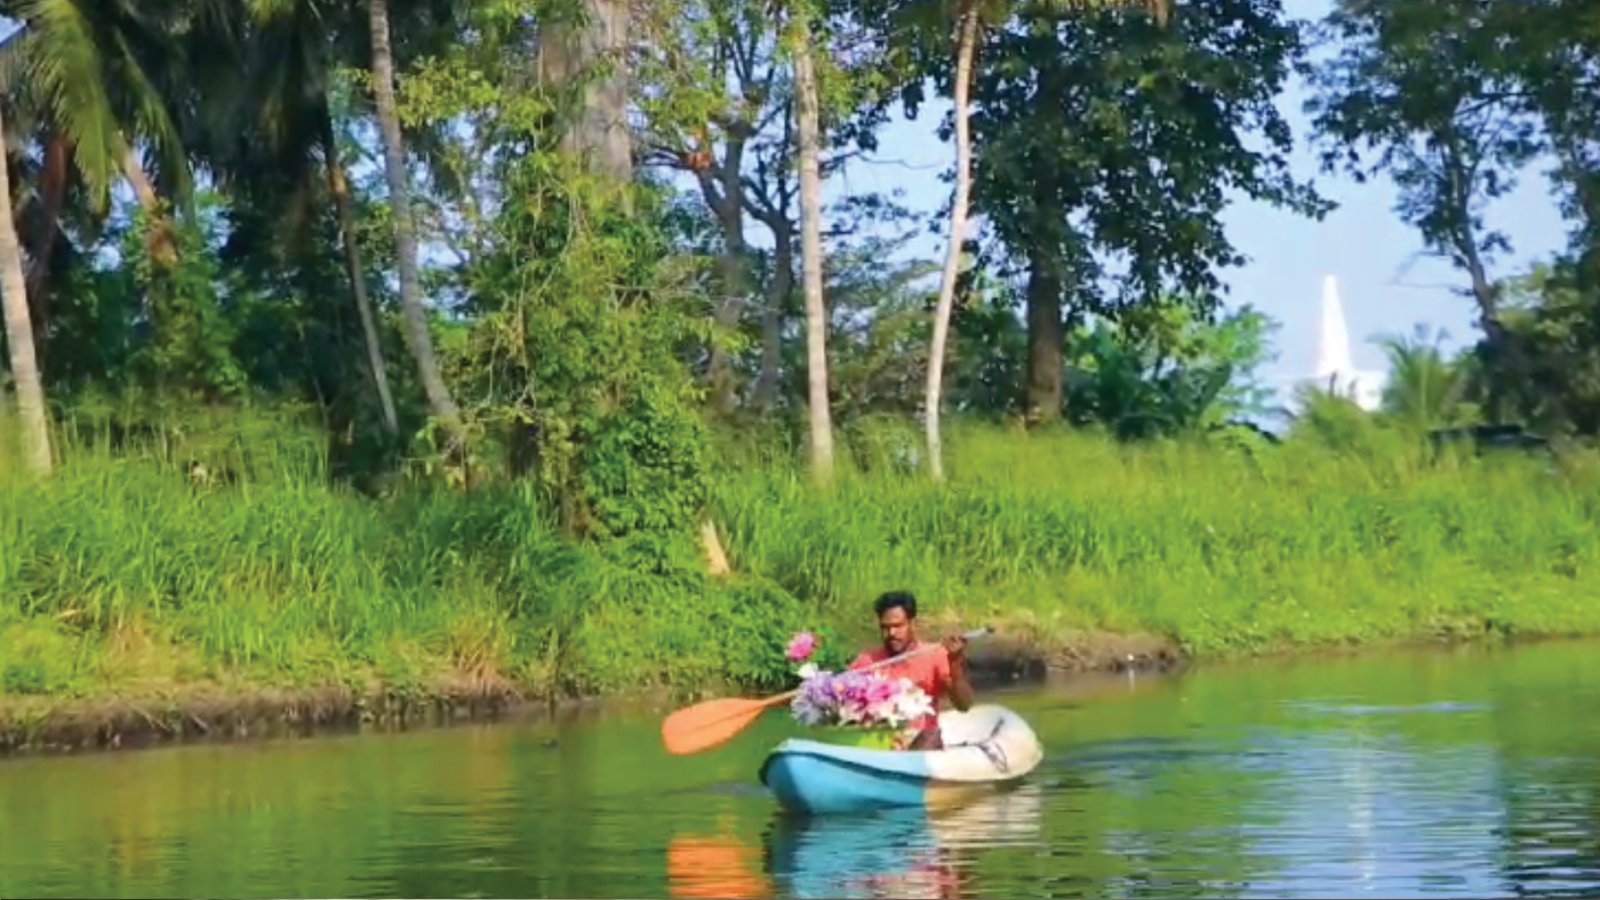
984	747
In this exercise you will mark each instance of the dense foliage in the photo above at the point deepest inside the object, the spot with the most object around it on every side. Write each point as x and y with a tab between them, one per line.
437	333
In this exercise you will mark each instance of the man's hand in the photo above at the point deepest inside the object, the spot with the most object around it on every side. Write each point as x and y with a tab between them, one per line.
956	646
960	689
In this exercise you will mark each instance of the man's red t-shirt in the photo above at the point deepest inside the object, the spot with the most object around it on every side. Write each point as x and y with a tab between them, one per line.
930	671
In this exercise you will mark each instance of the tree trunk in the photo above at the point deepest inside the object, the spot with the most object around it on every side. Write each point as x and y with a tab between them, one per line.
1042	402
778	290
416	318
52	197
1042	392
569	51
160	242
19	331
966	46
339	188
727	203
809	115
143	189
1505	356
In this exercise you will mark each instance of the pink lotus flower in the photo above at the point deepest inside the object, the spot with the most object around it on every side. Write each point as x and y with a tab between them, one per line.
801	647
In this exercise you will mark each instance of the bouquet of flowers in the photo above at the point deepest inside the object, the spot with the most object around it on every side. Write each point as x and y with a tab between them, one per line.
859	699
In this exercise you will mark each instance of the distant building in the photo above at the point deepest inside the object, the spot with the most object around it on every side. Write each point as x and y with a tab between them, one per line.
1334	371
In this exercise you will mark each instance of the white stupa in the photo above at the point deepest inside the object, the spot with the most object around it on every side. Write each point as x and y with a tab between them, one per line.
1335	371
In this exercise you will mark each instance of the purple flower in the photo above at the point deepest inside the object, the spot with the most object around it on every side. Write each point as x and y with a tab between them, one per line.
858	698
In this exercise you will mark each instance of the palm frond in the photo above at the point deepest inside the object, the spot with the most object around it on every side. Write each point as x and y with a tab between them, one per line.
152	118
65	66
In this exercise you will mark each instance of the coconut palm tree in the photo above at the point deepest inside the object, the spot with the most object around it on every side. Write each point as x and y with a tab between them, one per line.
1424	389
19	328
415	316
102	73
293	46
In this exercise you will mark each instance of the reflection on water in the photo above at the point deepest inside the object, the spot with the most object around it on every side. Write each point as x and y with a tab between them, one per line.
909	853
711	867
912	853
1459	775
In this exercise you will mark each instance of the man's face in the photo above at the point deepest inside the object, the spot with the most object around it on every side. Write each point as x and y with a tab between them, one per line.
897	628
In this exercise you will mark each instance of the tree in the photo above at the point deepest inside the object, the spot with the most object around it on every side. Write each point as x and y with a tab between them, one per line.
582	56
440	401
1425	388
1159	369
286	97
966	46
105	86
19	328
718	105
808	116
1106	144
968	17
770	197
715	91
1550	50
106	78
1553	321
1417	90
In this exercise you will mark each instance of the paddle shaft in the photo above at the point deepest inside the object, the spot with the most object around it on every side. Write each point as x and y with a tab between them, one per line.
972	635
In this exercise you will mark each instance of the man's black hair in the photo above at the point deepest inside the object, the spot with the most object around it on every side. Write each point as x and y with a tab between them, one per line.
902	599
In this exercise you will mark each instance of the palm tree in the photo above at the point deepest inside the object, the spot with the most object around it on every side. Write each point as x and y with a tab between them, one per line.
19	328
1424	389
99	72
339	191
287	100
416	318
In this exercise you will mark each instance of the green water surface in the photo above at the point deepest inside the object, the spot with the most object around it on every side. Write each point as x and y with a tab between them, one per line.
1468	773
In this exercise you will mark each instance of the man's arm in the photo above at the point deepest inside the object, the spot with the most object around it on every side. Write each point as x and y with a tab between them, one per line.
960	688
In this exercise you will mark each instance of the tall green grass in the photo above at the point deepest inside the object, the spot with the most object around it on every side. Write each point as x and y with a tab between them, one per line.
120	573
1223	549
120	570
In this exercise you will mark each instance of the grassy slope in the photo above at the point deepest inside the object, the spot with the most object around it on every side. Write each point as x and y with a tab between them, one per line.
118	577
1222	551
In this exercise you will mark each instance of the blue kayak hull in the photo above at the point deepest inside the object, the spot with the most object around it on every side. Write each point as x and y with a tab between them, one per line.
984	747
814	777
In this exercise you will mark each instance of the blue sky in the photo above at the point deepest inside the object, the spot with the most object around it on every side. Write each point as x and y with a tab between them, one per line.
1387	284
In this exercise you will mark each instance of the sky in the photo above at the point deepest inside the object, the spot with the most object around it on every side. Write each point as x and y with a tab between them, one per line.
1387	284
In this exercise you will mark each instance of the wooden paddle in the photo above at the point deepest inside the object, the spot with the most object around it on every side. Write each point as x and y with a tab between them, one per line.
705	725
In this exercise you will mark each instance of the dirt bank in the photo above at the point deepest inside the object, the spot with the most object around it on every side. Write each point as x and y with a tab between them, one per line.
214	712
1025	649
218	712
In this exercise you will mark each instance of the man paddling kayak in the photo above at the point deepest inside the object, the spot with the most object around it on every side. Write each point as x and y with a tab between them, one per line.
942	676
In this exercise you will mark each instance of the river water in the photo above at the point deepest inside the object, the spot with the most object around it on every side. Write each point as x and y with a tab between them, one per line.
1469	773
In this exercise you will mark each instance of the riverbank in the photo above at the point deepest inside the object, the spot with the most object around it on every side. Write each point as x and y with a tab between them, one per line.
137	605
152	715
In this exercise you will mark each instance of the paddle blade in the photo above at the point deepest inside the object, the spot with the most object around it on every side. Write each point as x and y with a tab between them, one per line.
705	725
